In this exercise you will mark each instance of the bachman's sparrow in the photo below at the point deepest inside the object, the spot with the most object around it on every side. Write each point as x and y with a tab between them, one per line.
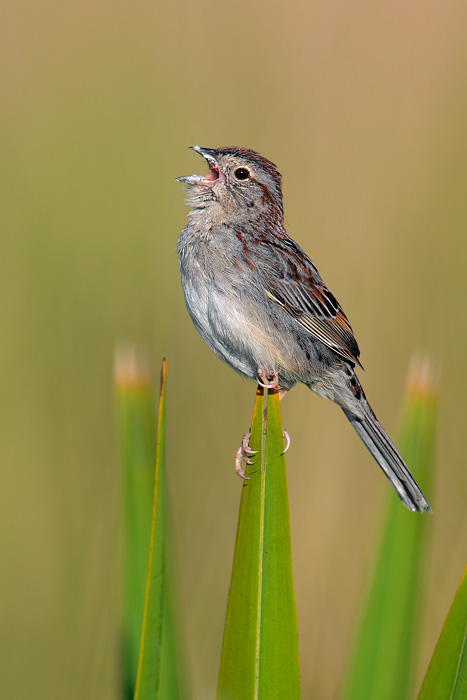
260	304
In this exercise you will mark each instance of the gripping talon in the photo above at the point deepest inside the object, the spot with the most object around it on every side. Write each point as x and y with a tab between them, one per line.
266	381
243	453
286	437
238	464
246	449
265	386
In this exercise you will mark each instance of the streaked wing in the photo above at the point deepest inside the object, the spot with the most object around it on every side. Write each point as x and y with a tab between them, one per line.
300	291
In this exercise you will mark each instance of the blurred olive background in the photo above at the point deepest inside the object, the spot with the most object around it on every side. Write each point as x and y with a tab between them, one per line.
363	106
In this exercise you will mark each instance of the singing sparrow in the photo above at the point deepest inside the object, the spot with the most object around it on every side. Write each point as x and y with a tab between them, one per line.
260	304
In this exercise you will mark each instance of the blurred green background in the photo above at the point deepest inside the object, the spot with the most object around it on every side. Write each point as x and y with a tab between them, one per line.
363	106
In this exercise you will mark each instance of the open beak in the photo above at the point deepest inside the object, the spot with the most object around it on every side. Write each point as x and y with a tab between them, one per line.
207	180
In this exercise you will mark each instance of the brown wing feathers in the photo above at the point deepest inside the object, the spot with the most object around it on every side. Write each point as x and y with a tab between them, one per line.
312	305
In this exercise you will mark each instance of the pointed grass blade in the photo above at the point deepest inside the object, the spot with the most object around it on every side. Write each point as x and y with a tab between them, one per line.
136	431
278	663
447	673
260	648
383	659
238	668
148	675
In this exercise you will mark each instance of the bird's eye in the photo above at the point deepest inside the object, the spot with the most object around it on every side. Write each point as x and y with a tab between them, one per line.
242	174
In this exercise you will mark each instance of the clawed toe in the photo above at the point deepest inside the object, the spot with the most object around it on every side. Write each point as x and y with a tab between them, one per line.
270	385
243	453
246	449
286	437
238	464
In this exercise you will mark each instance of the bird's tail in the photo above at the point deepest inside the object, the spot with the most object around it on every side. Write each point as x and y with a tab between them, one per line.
381	447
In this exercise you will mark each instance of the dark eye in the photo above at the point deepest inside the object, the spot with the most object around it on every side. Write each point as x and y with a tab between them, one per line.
242	174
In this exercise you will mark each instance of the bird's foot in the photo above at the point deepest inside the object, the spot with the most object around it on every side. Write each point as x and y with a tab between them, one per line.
243	453
268	380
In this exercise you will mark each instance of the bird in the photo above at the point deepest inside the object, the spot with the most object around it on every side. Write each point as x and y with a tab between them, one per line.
261	305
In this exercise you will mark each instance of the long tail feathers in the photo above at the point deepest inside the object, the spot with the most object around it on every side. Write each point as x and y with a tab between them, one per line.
380	446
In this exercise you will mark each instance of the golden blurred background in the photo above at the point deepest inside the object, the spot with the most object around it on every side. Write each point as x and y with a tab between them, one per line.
363	106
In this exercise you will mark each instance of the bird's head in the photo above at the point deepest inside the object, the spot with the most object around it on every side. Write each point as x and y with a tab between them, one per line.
240	186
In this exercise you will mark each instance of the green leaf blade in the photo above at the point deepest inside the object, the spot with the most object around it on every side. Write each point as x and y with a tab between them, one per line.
148	675
279	662
447	673
260	649
238	673
136	430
